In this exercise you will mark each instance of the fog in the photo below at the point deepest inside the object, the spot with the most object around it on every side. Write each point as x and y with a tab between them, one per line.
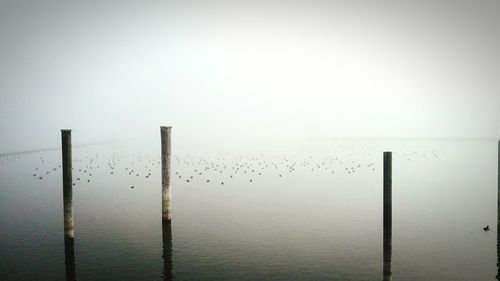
228	74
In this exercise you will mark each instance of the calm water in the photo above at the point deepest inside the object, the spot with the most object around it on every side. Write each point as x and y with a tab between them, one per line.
313	213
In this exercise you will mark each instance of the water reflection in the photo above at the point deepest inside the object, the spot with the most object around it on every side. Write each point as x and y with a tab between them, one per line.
167	250
387	255
498	214
69	258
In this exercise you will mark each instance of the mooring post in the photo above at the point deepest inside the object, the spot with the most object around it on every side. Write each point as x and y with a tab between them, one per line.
166	194
387	215
388	191
69	229
498	189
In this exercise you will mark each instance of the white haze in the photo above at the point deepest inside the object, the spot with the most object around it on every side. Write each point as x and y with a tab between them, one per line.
227	74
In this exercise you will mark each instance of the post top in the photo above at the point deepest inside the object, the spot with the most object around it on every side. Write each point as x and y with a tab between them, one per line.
65	130
387	152
166	127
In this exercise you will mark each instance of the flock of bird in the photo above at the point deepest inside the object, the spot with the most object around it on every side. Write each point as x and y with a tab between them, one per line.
88	166
220	169
253	167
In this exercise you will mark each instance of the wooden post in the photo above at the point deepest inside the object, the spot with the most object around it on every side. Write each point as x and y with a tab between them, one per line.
387	215
498	190
166	194
388	191
69	229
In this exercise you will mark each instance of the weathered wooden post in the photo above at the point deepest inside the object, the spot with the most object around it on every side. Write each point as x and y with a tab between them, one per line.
166	193
387	215
388	191
498	189
69	229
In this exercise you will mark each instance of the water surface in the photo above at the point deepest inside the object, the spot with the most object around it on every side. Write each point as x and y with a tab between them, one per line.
312	212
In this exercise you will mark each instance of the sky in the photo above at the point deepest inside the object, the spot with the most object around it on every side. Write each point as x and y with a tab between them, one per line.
230	73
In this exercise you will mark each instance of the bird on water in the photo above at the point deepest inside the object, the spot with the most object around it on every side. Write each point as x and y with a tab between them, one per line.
486	228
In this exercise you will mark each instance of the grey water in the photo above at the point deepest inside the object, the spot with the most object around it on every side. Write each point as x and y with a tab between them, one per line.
311	212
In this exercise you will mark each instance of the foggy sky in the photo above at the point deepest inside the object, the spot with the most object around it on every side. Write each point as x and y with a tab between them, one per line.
253	72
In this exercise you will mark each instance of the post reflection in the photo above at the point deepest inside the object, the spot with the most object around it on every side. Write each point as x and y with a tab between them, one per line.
167	250
498	247
69	258
387	255
498	213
